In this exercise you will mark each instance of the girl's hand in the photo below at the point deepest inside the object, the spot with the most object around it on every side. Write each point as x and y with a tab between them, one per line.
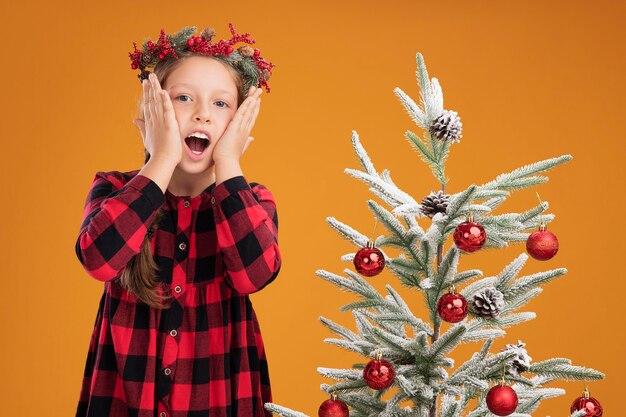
159	127
236	137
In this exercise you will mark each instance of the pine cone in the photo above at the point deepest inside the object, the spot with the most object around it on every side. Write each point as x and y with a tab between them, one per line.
208	34
448	126
518	364
146	58
488	302
245	50
435	203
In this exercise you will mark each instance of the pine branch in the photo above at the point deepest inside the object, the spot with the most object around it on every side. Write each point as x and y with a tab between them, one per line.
466	276
502	321
548	364
362	155
428	100
533	212
528	282
510	272
446	342
393	326
509	180
341	374
457	201
282	411
419	392
442	279
389	221
570	372
415	112
347	232
513	303
477	286
348	386
339	330
449	406
404	309
408	278
482	334
356	347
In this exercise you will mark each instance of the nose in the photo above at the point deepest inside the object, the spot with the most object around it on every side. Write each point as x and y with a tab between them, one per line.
202	113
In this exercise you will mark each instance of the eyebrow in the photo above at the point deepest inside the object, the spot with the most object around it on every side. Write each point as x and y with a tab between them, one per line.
219	90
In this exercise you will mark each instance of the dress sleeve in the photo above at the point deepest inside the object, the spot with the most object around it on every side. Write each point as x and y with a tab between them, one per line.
116	218
247	233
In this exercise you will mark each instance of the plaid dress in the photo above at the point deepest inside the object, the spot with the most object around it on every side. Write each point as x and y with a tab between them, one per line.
204	355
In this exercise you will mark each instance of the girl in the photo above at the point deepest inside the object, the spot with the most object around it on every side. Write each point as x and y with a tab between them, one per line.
182	242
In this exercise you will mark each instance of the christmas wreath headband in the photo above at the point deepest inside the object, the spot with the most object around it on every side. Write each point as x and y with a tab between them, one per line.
246	60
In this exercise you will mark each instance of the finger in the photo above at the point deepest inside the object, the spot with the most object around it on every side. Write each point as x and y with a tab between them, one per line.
150	102
156	96
253	116
240	119
249	100
141	125
145	87
168	108
250	139
246	109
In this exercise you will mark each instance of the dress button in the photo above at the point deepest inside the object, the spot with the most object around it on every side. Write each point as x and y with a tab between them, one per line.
178	289
182	246
162	414
187	204
212	200
173	332
167	371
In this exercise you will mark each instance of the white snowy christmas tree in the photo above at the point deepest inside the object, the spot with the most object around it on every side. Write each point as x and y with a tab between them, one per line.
427	383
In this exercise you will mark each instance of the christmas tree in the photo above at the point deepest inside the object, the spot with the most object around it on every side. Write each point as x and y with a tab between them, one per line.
406	369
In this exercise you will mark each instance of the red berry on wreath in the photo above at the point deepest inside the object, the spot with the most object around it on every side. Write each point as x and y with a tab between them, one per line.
502	400
333	408
379	374
369	261
587	403
542	244
470	236
452	307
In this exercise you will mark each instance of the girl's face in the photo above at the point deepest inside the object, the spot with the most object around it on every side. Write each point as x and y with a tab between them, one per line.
204	96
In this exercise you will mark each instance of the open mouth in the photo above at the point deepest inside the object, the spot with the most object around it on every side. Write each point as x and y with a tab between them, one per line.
196	145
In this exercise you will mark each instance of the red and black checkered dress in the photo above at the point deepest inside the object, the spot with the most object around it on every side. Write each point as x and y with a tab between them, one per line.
204	355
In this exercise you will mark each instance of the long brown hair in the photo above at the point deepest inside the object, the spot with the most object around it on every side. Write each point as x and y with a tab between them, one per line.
139	276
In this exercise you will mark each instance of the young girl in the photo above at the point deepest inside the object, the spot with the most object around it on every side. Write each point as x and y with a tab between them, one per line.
182	242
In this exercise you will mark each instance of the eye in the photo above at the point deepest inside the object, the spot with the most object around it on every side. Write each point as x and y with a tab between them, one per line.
223	103
180	98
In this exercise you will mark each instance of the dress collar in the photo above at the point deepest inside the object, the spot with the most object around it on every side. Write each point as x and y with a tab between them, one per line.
206	192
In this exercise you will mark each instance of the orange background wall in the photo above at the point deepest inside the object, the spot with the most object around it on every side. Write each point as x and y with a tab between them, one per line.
531	80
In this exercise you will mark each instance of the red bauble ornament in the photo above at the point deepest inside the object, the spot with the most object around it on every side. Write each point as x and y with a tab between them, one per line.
542	244
369	261
501	400
333	408
379	374
587	403
452	307
470	236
